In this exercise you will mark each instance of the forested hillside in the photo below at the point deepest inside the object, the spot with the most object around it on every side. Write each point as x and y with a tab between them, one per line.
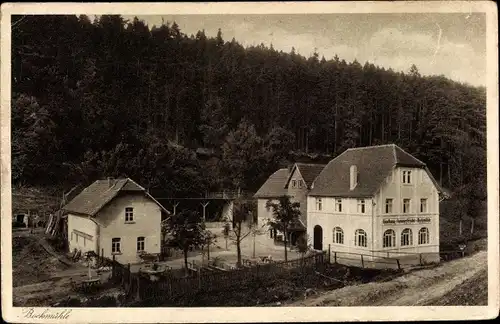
111	98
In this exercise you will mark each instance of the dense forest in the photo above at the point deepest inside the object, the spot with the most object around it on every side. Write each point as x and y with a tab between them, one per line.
111	97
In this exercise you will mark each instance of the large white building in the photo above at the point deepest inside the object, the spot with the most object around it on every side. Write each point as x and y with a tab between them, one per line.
379	201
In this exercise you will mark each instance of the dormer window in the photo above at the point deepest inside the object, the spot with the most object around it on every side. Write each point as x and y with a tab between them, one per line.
361	206
319	204
407	177
129	214
300	183
294	184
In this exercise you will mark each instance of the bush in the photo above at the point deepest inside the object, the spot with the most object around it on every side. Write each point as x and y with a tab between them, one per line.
17	224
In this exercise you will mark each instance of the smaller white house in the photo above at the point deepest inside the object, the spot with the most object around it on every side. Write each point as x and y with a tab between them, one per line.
378	201
115	217
273	188
294	182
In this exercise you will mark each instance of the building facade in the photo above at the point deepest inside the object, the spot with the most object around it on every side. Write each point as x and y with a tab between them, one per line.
115	217
294	181
377	201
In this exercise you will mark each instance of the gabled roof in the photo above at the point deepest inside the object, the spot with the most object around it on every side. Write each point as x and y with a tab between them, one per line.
274	185
374	163
309	172
93	198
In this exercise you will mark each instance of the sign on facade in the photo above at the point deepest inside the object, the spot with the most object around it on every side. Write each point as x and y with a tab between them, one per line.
413	220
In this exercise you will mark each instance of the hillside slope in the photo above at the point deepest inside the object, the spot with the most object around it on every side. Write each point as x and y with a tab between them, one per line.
417	288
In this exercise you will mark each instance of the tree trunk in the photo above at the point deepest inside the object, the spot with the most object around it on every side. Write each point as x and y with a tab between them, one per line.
238	244
253	251
285	241
472	225
460	227
186	261
238	252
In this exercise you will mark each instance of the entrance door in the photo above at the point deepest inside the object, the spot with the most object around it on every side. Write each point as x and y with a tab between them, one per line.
318	238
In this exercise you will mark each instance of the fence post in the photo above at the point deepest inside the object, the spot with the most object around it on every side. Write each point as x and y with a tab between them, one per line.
113	275
420	256
329	253
362	261
399	265
102	255
199	278
335	257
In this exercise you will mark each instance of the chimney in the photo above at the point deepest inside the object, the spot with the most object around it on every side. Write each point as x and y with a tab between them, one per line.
353	173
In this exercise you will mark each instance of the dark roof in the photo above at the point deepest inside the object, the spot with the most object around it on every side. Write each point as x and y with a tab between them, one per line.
309	172
101	192
374	163
274	185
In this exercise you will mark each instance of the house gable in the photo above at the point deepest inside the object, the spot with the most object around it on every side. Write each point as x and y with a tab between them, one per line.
294	175
308	173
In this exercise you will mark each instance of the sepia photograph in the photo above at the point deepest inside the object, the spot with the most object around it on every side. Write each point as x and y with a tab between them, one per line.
238	158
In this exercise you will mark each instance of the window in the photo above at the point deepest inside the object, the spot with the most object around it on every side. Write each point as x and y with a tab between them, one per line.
129	214
300	183
116	245
338	205
407	177
406	237
71	236
361	206
389	238
423	205
338	235
319	204
360	238
406	206
423	236
388	206
140	244
294	183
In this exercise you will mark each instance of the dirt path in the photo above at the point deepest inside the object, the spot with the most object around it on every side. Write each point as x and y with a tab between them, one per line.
416	288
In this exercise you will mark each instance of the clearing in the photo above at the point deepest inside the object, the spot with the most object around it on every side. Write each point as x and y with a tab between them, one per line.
39	276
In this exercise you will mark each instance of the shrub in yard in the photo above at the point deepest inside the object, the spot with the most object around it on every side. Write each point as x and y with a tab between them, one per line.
17	224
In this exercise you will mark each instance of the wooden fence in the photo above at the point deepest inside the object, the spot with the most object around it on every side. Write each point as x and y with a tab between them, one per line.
402	260
141	286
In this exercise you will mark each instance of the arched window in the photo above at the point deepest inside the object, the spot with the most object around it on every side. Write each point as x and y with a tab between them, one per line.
423	236
406	237
338	235
360	238
389	238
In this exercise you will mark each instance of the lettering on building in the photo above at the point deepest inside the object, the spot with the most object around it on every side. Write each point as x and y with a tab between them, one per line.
412	220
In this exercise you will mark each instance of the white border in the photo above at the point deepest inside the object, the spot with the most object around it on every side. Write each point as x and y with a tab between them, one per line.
252	314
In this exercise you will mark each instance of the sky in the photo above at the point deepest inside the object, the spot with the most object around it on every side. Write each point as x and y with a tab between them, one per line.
451	44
